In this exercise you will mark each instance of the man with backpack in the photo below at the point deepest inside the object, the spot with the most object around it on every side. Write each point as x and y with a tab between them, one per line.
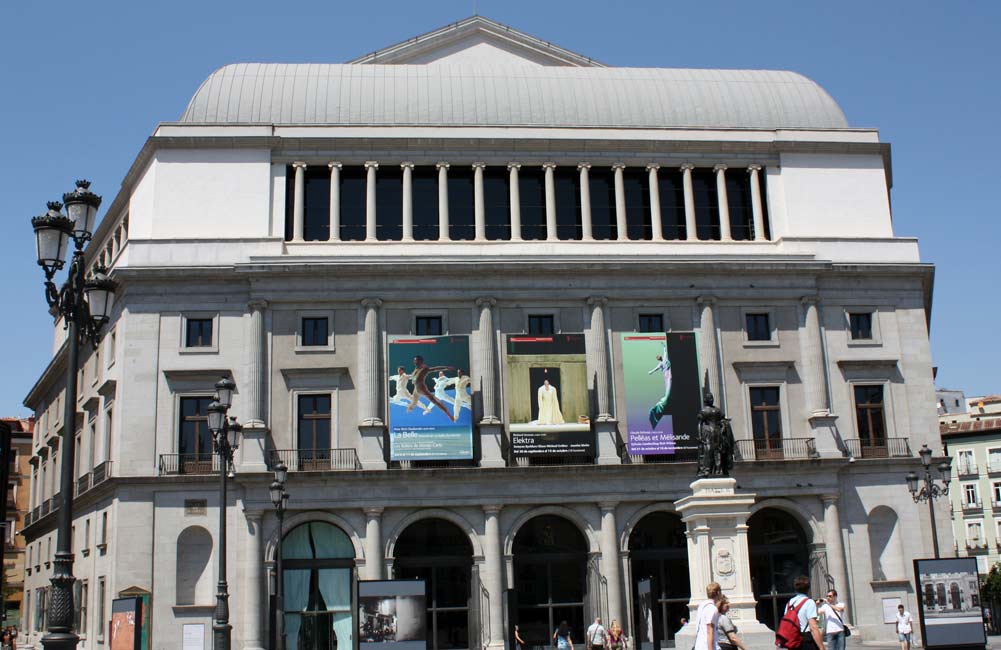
798	629
706	618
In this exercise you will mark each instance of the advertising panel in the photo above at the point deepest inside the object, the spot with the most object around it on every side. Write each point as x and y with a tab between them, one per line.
392	613
126	624
949	595
547	396
663	397
430	400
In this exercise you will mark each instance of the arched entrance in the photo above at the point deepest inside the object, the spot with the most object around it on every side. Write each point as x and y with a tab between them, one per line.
779	553
317	568
439	552
550	579
658	550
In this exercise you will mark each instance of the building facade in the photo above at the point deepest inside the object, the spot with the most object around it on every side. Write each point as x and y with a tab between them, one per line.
542	216
18	498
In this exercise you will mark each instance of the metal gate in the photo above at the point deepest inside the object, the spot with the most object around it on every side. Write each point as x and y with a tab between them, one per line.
479	613
821	580
597	592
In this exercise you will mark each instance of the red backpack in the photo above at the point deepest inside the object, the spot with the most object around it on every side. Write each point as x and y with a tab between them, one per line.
788	635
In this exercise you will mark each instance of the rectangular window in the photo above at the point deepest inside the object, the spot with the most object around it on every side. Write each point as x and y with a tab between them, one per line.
496	203
195	443
759	327
27	607
861	325
389	203
353	202
766	419
460	203
315	331
109	419
975	533
313	427
100	610
104	529
738	199
86	533
651	322
566	187
541	325
994	460
706	203
198	333
602	185
425	201
109	354
869	415
40	609
995	488
672	203
970	496
84	594
428	326
636	187
532	192
967	464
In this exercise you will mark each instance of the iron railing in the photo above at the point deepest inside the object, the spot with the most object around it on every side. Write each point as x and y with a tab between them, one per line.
315	460
972	505
994	467
100	474
47	506
966	468
190	464
83	484
878	448
776	449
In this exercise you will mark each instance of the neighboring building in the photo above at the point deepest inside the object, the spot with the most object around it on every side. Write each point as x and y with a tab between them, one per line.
950	402
548	217
18	498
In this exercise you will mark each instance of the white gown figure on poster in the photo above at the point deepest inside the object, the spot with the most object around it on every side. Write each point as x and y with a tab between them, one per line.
403	395
441	382
549	405
461	383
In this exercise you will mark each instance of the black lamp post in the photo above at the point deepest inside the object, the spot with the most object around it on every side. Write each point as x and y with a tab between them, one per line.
225	435
930	490
279	498
85	305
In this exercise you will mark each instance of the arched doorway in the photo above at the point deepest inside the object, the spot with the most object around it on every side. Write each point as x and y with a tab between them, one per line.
439	552
779	553
550	579
658	550
317	569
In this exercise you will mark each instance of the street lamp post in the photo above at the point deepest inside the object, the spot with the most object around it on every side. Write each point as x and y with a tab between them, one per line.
225	436
279	498
930	490
84	304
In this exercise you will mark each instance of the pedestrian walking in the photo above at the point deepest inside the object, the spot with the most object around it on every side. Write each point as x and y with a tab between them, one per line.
597	636
726	631
835	630
706	618
561	637
616	637
904	627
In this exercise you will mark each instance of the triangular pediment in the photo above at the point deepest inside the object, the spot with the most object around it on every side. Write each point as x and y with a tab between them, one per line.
478	41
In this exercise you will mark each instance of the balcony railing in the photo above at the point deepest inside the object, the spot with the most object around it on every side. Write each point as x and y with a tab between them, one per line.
994	467
684	455
966	468
83	484
777	449
29	518
100	474
878	448
194	464
995	504
433	464
976	546
315	460
36	513
47	506
972	505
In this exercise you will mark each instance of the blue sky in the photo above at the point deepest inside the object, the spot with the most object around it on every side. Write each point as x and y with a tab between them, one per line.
84	84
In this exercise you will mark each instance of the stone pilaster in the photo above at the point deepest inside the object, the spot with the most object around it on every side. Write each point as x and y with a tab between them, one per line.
757	212
724	204
835	548
551	234
479	207
253	566
335	201
408	200
371	426
255	390
493	574
299	202
585	201
621	221
373	543
610	560
514	198
691	230
657	227
708	347
370	200
443	234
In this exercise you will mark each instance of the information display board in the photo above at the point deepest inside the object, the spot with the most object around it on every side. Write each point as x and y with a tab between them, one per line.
949	595
392	613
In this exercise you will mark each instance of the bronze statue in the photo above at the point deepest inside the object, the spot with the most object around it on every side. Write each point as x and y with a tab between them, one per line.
716	443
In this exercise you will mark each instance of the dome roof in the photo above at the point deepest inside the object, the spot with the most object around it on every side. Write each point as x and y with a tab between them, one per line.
510	95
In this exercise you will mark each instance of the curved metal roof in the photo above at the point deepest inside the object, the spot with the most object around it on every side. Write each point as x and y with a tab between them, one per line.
510	95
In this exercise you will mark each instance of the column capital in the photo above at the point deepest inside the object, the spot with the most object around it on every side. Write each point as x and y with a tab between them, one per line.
829	499
618	166
407	165
299	165
599	301
492	508
583	165
257	304
371	302
754	168
652	167
486	301
513	165
479	165
373	511
719	168
687	167
333	165
810	300
549	166
706	300
441	165
371	164
254	516
608	506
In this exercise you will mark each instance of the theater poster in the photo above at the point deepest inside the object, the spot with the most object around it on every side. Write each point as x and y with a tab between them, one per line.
951	613
661	382
392	614
547	396
125	628
430	398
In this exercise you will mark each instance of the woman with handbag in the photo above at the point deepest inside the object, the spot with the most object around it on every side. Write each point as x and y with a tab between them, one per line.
616	637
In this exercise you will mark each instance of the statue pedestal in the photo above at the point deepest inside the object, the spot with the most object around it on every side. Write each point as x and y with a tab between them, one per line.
716	517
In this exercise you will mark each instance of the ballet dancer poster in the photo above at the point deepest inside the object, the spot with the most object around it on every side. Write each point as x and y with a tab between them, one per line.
430	398
661	375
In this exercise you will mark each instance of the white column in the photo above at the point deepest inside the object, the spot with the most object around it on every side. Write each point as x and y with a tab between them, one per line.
598	351
368	364
551	234
479	209
254	389
370	167
335	201
485	354
709	356
610	560
724	205
621	225
299	202
657	227
585	201
812	353
691	231
756	210
443	201
253	619
514	198
408	200
835	547
373	543
493	573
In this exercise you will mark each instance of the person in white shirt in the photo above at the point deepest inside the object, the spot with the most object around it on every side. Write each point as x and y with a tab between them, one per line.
904	628
706	618
808	627
596	635
834	621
